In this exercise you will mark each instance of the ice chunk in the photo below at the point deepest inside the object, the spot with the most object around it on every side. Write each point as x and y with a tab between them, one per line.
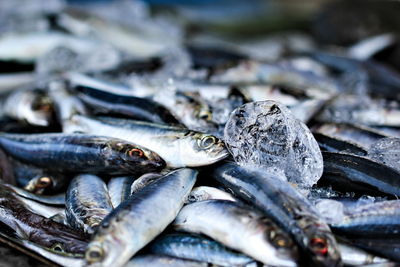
331	210
387	151
266	134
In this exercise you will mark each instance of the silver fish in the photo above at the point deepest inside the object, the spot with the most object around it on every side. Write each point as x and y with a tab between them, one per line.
30	106
119	189
198	248
162	261
202	193
87	202
177	146
144	181
355	256
65	104
239	228
131	226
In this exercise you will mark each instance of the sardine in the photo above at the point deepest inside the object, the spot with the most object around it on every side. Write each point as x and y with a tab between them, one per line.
202	193
119	189
355	256
87	202
198	248
120	104
379	220
36	228
162	261
144	181
81	153
287	207
131	226
359	174
65	104
54	200
239	227
177	146
29	106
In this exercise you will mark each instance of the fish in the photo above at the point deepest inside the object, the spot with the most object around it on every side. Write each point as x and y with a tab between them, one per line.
179	147
378	220
144	181
37	180
359	174
240	228
119	189
162	261
38	229
354	256
61	259
277	199
65	104
30	106
362	136
253	72
197	248
131	226
80	153
53	200
333	144
87	202
104	101
202	193
6	169
193	112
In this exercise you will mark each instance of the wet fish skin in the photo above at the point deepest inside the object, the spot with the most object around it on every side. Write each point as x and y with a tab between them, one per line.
288	208
87	202
202	193
119	189
198	248
332	144
354	256
377	220
80	153
135	107
31	106
162	261
189	109
36	228
131	226
54	200
359	174
38	180
254	234
65	104
144	181
177	146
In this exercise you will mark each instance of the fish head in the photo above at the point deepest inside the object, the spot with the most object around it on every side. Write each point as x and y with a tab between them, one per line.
285	249
39	112
201	149
133	156
106	250
39	183
324	249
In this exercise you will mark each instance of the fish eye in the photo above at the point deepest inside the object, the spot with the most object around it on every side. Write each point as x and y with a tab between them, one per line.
205	115
135	152
44	182
94	254
206	142
58	248
281	241
319	246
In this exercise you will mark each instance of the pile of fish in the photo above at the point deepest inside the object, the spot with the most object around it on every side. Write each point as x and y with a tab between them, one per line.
127	140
